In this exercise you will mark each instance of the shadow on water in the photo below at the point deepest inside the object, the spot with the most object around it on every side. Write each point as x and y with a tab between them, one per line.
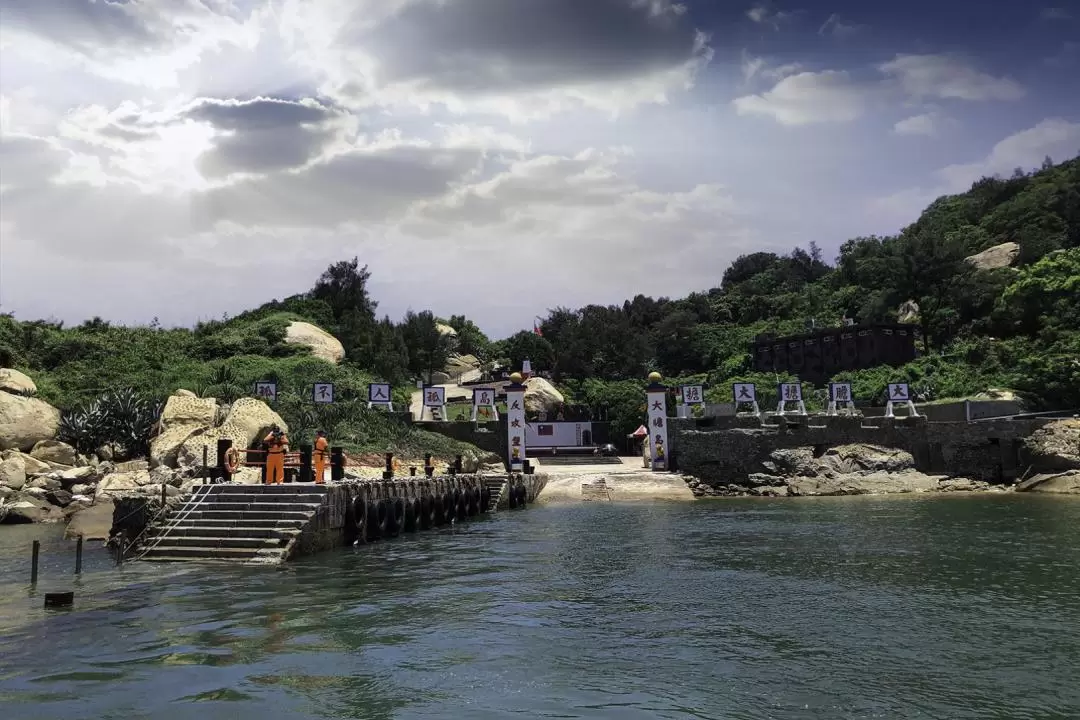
825	608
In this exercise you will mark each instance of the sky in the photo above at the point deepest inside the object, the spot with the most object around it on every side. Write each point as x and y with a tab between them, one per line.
187	159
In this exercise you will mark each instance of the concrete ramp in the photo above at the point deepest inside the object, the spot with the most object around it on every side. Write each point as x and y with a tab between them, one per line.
625	482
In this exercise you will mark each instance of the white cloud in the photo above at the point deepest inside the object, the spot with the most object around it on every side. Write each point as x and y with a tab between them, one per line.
807	98
1053	137
766	14
949	78
758	67
927	123
834	26
1055	13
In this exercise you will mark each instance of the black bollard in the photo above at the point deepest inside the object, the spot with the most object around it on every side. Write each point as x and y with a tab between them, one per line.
223	445
164	492
458	464
337	464
78	555
388	473
205	473
412	470
307	472
34	561
429	469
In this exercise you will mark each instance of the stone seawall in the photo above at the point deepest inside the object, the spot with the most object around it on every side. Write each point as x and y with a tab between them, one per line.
740	454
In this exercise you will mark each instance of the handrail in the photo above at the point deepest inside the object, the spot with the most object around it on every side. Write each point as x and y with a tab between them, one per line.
183	515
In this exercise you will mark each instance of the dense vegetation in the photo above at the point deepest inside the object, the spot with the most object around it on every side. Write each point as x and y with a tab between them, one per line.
1016	328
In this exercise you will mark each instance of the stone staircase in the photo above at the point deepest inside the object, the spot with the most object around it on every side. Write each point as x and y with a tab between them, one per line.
497	486
254	523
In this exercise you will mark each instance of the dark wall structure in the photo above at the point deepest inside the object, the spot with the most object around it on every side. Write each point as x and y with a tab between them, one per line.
817	355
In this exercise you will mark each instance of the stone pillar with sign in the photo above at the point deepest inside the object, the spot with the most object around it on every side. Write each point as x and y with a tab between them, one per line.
791	394
434	397
840	395
656	406
900	394
745	394
484	400
693	396
515	423
379	396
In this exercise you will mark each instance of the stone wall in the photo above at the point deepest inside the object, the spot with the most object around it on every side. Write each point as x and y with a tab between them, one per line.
729	450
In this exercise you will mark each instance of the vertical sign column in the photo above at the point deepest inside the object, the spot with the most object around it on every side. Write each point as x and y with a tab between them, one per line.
656	399
515	423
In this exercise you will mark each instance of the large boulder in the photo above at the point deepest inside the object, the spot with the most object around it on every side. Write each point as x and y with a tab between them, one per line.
56	452
1055	447
13	472
322	344
13	381
26	421
184	415
999	256
1066	483
93	522
28	508
33	465
247	422
541	396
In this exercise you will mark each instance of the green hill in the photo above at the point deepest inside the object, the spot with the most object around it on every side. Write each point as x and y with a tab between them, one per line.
1015	327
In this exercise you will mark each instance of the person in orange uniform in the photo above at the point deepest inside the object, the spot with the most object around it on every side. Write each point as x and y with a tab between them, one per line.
277	443
321	455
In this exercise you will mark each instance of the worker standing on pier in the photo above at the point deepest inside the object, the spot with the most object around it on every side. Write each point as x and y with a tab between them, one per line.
321	456
277	443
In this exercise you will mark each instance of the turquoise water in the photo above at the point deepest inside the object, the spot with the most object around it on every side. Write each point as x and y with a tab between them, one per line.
895	607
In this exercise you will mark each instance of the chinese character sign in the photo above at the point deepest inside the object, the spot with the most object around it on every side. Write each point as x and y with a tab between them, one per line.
266	391
378	392
899	392
324	393
658	434
515	426
744	393
840	392
791	392
483	397
692	395
434	397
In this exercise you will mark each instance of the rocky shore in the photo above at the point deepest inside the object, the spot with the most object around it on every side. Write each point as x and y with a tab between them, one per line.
1052	458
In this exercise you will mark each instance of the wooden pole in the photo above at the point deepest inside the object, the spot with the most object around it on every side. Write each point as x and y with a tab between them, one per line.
78	555
34	562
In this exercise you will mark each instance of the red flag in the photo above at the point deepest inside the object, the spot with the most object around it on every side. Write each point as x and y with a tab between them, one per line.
536	330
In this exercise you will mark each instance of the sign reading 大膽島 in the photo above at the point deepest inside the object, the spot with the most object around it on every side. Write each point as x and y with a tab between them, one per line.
515	426
693	395
323	393
656	399
266	391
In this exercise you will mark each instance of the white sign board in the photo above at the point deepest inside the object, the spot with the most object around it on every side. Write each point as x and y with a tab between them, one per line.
266	391
378	393
744	393
558	434
840	392
526	368
790	392
693	395
323	393
899	392
483	397
515	427
657	427
434	397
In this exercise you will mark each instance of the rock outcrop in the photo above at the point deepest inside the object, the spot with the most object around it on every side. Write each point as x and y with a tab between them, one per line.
541	396
26	421
1055	447
13	381
247	422
994	258
183	417
322	344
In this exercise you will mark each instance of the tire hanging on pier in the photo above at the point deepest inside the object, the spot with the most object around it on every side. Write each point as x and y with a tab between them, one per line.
485	499
412	515
474	502
396	521
360	517
523	496
376	522
511	497
461	504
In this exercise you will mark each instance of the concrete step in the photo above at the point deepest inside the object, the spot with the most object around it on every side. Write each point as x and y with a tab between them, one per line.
261	516
287	489
219	531
257	506
277	498
221	542
183	552
238	524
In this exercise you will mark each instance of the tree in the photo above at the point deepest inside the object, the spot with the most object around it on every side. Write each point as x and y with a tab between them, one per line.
343	287
429	349
471	340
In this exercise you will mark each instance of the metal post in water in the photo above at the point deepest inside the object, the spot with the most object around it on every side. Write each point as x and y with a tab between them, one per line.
34	562
78	555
